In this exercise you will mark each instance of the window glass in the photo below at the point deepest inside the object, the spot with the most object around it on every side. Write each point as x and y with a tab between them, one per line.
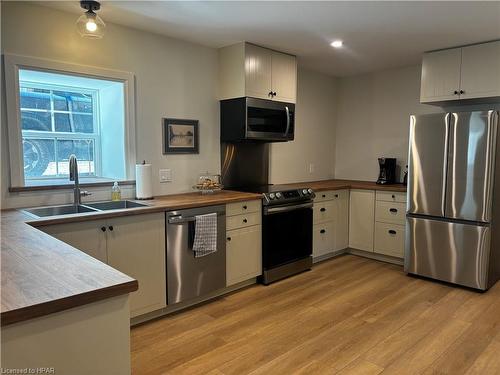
62	122
40	121
84	152
35	98
83	123
55	124
39	157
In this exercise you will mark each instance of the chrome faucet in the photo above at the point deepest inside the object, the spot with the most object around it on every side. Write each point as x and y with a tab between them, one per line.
73	176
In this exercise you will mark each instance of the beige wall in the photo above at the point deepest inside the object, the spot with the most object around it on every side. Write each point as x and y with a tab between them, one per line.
173	79
314	134
373	120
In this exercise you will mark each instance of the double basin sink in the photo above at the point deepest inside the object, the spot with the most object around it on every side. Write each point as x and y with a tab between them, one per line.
71	209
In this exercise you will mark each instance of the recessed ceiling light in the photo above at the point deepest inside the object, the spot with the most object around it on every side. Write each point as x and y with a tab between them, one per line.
336	44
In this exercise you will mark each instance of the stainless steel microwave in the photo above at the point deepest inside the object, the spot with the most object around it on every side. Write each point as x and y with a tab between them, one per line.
251	119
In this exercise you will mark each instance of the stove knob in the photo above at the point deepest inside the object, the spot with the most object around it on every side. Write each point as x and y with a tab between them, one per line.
304	191
310	191
278	195
271	196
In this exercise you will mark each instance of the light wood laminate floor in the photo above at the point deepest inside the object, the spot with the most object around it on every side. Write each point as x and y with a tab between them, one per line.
349	315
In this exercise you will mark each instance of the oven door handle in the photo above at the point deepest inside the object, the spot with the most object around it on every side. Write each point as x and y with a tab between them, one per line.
275	210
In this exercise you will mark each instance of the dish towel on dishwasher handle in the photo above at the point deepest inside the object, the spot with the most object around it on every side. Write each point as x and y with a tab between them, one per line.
205	235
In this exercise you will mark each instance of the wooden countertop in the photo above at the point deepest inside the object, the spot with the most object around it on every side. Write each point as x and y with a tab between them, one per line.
347	184
158	204
42	275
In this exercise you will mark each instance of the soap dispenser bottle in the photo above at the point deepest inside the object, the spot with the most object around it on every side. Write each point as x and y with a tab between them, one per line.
116	193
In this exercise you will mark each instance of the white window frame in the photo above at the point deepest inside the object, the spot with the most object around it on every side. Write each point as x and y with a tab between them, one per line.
64	135
14	63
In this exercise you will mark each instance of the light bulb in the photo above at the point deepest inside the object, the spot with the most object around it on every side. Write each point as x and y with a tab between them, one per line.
91	26
336	44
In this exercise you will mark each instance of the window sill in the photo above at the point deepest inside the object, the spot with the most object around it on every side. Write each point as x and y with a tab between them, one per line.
67	185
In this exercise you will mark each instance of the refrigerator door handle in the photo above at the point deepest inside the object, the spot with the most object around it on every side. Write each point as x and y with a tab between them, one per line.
445	164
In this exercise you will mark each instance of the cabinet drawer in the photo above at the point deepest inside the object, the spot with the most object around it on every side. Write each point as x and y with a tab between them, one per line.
389	239
243	207
330	195
323	238
391	196
243	254
323	211
243	221
389	212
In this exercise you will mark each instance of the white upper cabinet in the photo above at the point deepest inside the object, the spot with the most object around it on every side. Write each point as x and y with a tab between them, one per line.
440	75
480	71
471	72
258	72
249	70
284	77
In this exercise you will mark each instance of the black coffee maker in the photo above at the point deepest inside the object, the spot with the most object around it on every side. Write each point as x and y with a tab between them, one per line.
387	173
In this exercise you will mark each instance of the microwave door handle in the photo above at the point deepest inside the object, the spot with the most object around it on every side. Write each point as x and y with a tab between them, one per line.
287	120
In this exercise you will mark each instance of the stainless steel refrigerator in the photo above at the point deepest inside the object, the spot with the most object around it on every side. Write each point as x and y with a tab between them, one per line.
453	209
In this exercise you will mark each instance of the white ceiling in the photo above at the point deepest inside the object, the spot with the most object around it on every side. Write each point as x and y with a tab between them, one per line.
376	35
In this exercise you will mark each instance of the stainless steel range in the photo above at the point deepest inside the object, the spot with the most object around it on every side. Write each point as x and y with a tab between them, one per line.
287	219
287	214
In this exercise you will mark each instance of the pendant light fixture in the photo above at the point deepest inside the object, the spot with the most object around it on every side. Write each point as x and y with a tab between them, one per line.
90	25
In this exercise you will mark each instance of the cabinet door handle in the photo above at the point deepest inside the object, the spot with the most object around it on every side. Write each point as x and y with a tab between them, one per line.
455	92
322	209
336	195
229	238
462	92
322	231
103	229
393	210
391	231
323	196
245	221
245	207
393	196
110	228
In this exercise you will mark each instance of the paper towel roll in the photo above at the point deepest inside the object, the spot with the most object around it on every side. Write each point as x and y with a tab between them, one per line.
143	181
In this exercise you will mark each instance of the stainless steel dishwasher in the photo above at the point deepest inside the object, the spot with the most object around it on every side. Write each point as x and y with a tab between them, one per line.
189	277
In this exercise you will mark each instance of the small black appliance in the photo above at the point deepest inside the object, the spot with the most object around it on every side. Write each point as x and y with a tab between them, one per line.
387	173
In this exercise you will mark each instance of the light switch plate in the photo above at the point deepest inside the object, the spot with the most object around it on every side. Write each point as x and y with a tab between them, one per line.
165	175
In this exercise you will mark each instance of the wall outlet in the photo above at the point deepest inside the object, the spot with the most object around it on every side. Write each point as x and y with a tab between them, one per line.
165	175
311	167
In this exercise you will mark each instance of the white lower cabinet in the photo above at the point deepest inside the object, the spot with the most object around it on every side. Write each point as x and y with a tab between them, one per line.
330	222
87	236
243	254
243	241
134	245
390	220
377	222
323	238
361	219
389	239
